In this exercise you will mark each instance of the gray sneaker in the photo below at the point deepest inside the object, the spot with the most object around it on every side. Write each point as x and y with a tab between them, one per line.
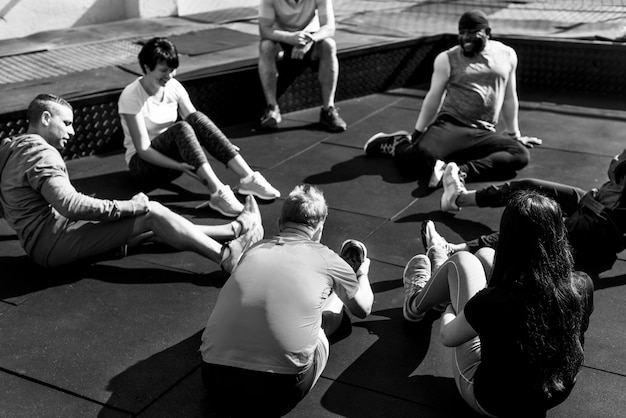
236	248
416	275
250	216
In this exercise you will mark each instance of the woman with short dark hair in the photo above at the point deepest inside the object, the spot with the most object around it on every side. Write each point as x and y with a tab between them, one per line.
165	136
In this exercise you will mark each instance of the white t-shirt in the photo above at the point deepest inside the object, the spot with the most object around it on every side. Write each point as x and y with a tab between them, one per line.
158	115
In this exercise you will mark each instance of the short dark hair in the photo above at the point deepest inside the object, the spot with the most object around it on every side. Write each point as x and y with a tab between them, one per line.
158	50
305	205
43	103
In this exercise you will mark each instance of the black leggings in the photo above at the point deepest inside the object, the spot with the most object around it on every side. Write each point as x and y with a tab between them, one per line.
595	240
183	141
481	154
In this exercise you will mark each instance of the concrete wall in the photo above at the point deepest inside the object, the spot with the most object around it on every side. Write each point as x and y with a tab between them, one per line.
20	18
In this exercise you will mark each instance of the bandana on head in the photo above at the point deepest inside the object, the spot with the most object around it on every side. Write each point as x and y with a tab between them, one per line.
473	20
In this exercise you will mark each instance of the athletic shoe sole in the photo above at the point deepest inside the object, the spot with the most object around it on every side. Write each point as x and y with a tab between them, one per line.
362	246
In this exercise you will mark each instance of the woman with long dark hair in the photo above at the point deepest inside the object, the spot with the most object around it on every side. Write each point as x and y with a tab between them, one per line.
516	316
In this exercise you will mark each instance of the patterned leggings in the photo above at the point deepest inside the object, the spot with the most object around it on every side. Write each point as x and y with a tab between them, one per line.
183	141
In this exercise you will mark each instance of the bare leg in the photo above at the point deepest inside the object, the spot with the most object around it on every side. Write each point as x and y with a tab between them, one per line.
208	177
268	71
326	51
177	231
465	277
240	166
456	280
486	256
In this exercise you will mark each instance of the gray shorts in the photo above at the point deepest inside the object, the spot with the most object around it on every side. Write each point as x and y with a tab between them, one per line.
69	241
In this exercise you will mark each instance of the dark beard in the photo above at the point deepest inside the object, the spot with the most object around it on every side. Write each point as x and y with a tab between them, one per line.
478	46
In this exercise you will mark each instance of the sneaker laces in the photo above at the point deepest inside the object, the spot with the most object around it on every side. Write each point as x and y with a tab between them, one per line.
258	179
388	148
417	282
227	196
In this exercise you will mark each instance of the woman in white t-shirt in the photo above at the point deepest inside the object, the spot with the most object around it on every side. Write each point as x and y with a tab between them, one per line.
165	136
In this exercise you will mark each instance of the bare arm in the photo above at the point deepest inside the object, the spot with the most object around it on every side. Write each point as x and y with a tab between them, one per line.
455	329
361	304
327	21
185	107
510	106
434	97
510	110
143	145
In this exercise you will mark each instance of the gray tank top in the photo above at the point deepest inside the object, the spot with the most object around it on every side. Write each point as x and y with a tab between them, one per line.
475	90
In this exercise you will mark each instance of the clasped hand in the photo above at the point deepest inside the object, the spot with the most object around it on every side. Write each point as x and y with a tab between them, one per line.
141	203
304	42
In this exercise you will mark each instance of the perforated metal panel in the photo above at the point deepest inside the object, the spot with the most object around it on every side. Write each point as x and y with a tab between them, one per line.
236	96
62	61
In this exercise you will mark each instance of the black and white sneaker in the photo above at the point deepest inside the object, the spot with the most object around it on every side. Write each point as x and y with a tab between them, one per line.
384	145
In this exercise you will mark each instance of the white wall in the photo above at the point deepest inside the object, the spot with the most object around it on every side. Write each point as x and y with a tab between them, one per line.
188	7
20	18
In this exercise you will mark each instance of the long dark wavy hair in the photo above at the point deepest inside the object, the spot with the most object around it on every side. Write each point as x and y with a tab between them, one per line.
533	259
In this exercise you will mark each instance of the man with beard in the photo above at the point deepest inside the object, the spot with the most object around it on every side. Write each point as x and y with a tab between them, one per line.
472	84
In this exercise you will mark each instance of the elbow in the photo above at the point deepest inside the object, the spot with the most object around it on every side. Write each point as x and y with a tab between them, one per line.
142	152
360	310
364	312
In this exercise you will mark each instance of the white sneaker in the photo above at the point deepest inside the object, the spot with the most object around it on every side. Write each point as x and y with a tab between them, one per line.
437	175
237	247
225	202
416	275
259	187
452	187
249	217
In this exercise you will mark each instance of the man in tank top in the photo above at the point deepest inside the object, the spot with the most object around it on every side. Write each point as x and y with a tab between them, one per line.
473	85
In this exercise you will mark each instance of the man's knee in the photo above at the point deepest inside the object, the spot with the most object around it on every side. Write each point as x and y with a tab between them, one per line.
268	49
157	211
327	47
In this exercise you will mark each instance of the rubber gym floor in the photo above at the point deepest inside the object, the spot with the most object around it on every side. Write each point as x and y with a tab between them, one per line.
119	337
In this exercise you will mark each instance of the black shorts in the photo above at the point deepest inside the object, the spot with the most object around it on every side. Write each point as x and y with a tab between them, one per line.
245	393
